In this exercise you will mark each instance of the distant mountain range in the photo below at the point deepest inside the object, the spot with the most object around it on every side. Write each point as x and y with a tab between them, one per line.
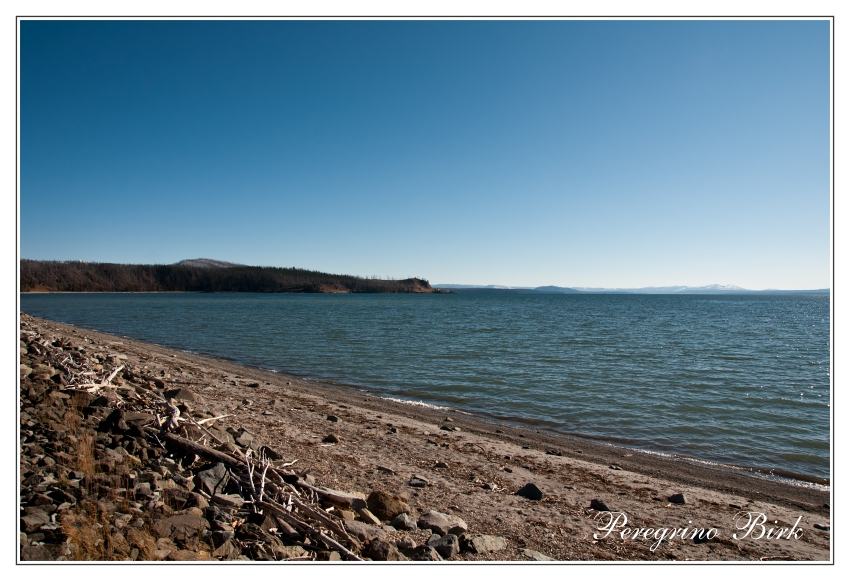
711	289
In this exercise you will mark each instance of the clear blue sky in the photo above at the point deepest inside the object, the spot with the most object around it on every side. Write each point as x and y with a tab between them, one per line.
571	153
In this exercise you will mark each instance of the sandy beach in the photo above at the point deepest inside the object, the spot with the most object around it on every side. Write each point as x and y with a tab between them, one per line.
470	467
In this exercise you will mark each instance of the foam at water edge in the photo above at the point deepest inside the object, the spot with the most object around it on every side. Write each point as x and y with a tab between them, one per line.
419	403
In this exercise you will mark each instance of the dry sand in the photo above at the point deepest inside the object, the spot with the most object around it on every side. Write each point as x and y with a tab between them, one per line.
384	443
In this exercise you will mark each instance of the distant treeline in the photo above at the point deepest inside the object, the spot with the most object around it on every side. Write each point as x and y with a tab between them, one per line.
53	276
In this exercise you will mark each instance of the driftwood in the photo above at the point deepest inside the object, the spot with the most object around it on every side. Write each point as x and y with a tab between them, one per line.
280	511
199	449
333	498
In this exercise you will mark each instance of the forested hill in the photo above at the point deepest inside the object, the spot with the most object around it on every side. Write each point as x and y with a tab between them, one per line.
53	276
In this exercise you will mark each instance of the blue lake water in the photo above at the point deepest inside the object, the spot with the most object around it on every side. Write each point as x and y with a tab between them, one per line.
742	380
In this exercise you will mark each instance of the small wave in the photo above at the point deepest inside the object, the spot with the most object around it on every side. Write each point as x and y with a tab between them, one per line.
417	403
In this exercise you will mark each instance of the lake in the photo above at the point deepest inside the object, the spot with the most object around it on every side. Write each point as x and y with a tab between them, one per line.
731	379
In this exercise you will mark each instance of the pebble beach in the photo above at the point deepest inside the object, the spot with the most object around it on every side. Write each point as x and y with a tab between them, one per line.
133	451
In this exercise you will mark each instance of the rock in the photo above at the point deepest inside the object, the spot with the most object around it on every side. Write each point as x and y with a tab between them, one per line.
531	492
287	552
253	384
368	517
143	490
821	527
403	522
364	531
332	439
181	393
385	469
386	506
483	543
36	553
346	514
180	498
405	543
34	521
333	419
441	465
423	553
535	556
417	482
180	528
211	480
448	546
380	550
226	551
597	504
233	500
677	498
442	523
271	453
614	467
219	538
244	439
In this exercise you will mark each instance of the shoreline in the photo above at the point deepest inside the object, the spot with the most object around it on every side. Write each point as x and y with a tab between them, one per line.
571	470
526	425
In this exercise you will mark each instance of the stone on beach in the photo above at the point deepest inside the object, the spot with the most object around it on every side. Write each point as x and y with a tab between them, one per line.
403	522
599	505
441	523
417	482
483	543
677	498
386	506
531	492
447	545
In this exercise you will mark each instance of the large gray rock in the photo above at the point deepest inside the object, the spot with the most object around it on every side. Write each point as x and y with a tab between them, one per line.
441	523
211	480
678	498
448	546
403	522
364	531
483	543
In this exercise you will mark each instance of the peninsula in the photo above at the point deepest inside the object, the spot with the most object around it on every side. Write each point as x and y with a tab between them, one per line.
200	275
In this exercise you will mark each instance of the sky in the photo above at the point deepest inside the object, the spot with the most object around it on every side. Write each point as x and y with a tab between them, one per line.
572	153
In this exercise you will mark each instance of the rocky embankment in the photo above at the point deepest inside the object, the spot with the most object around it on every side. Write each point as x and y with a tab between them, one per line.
115	465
